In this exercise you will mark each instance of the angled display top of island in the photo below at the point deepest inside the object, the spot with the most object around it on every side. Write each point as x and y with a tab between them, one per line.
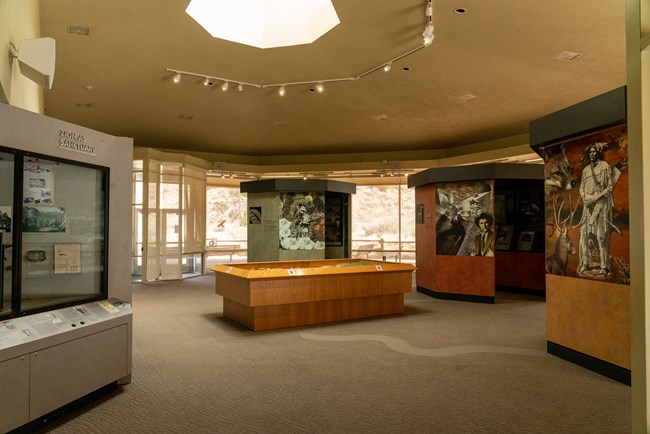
271	295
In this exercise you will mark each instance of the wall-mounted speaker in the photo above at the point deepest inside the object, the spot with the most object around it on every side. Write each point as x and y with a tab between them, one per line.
37	59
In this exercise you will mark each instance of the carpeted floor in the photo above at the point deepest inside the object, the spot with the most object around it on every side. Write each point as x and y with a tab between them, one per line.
441	367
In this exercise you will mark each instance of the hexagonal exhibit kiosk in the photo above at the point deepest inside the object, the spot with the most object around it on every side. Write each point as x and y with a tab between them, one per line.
588	244
479	227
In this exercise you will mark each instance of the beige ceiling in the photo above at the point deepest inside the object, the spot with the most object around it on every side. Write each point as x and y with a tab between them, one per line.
503	52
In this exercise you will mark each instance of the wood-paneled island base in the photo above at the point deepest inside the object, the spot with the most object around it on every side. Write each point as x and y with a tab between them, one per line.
271	295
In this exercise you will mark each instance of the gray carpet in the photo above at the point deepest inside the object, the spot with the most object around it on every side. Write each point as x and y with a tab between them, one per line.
441	367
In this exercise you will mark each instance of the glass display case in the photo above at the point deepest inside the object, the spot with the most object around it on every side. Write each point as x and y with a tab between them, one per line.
519	215
53	233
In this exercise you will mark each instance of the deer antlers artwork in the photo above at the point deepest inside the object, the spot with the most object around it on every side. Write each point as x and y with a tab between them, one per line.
557	262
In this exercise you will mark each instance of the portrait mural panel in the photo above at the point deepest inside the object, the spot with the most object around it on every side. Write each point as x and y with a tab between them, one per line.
587	206
464	219
302	221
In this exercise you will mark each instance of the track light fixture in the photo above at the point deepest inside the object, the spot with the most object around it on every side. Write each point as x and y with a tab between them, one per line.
427	39
427	34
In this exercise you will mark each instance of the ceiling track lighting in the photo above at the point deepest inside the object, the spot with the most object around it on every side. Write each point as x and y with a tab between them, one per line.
427	34
427	39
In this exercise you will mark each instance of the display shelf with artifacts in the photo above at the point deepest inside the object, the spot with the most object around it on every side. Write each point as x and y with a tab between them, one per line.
519	215
520	222
270	295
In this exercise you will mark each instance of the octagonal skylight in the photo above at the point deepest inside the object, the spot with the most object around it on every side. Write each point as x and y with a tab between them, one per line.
265	23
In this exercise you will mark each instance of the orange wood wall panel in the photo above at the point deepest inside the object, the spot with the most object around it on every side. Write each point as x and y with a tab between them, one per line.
520	269
425	237
239	313
296	289
589	316
233	287
316	312
469	275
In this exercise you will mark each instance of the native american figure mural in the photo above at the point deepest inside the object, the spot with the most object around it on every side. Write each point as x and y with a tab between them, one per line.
587	212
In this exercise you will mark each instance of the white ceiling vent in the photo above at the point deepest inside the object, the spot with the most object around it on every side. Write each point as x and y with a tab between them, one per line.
79	30
568	55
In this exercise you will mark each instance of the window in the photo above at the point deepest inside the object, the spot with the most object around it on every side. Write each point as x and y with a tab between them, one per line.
168	220
383	223
227	230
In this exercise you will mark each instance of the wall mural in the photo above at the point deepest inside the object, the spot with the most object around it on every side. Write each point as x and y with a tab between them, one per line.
464	219
587	212
302	221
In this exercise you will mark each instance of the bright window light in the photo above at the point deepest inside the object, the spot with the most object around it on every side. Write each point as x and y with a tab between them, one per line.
265	23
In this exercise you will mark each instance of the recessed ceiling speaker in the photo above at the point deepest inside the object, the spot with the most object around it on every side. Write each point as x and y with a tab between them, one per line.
37	59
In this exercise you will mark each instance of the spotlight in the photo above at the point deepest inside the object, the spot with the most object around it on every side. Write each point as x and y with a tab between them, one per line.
177	78
429	9
427	34
320	88
240	87
207	82
224	86
428	30
388	66
282	91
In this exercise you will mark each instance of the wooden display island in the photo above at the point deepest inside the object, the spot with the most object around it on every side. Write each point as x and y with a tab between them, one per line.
271	295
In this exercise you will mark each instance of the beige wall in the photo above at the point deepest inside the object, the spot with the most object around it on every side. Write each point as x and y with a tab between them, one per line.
19	19
638	85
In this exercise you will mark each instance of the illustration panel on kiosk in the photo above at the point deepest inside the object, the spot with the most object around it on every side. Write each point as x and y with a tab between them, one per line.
464	219
587	211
